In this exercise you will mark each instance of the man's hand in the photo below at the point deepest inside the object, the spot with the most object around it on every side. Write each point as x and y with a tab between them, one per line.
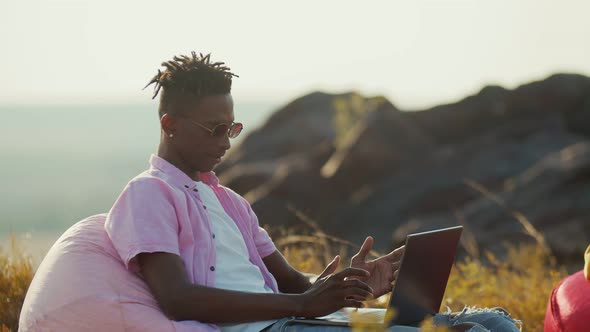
383	270
333	291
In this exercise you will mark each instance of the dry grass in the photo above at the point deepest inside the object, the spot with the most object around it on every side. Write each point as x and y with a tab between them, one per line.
16	273
521	283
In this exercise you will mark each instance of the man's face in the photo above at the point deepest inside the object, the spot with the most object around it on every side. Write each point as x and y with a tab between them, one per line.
196	146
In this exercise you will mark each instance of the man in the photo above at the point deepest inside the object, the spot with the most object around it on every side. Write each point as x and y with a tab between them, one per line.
197	244
148	221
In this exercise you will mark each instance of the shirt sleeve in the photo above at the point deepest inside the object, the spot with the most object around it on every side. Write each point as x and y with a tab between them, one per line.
143	219
263	242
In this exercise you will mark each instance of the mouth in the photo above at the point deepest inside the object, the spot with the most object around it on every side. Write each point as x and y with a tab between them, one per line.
218	157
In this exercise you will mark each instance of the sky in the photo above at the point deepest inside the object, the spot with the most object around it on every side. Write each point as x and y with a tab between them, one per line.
416	53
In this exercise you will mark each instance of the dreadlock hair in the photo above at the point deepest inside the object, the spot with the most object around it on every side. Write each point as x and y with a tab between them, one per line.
195	75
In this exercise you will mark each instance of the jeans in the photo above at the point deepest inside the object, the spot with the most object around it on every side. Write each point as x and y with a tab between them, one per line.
483	320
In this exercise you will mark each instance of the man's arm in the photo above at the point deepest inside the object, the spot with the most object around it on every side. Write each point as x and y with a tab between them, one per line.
166	277
181	300
289	279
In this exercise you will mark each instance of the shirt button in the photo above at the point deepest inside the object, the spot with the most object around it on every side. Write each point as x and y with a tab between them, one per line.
195	190
204	207
185	186
213	235
212	268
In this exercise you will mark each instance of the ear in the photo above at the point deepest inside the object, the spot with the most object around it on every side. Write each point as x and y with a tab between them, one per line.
168	123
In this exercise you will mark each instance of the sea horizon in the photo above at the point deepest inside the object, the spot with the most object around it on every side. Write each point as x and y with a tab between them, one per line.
61	164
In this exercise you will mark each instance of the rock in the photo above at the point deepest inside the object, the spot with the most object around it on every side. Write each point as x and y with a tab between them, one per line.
511	165
377	146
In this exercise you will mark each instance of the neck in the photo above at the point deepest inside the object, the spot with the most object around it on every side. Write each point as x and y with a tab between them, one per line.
166	152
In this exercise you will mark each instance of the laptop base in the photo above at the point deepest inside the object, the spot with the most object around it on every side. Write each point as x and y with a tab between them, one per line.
369	317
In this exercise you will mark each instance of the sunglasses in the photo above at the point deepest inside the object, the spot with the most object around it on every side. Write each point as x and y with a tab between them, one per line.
232	130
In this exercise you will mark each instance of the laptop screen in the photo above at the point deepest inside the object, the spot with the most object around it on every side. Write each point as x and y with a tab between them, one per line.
423	274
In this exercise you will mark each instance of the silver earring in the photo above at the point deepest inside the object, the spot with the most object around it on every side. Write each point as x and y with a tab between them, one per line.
171	135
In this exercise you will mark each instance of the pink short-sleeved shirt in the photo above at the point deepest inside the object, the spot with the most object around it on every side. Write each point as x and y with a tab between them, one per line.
161	210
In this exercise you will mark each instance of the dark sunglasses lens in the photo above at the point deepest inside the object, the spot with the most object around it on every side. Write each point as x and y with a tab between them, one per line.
220	130
235	130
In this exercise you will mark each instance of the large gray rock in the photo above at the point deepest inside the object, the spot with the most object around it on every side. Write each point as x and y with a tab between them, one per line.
359	166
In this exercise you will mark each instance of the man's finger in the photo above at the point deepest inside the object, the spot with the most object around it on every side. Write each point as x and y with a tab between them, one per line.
352	272
359	294
396	254
358	284
393	276
359	298
365	249
390	287
353	303
331	268
394	269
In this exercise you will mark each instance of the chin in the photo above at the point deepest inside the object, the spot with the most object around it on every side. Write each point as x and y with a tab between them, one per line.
206	168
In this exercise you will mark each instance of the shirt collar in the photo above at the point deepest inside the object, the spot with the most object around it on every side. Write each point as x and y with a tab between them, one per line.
178	177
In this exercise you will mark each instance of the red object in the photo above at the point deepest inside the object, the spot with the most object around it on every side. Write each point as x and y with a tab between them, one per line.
568	309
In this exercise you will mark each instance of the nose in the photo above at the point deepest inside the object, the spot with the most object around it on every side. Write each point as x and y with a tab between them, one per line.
224	143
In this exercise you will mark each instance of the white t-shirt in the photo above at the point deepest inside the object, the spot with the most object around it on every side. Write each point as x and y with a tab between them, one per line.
233	269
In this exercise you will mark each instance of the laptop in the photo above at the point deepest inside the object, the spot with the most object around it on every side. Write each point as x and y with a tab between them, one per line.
420	286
